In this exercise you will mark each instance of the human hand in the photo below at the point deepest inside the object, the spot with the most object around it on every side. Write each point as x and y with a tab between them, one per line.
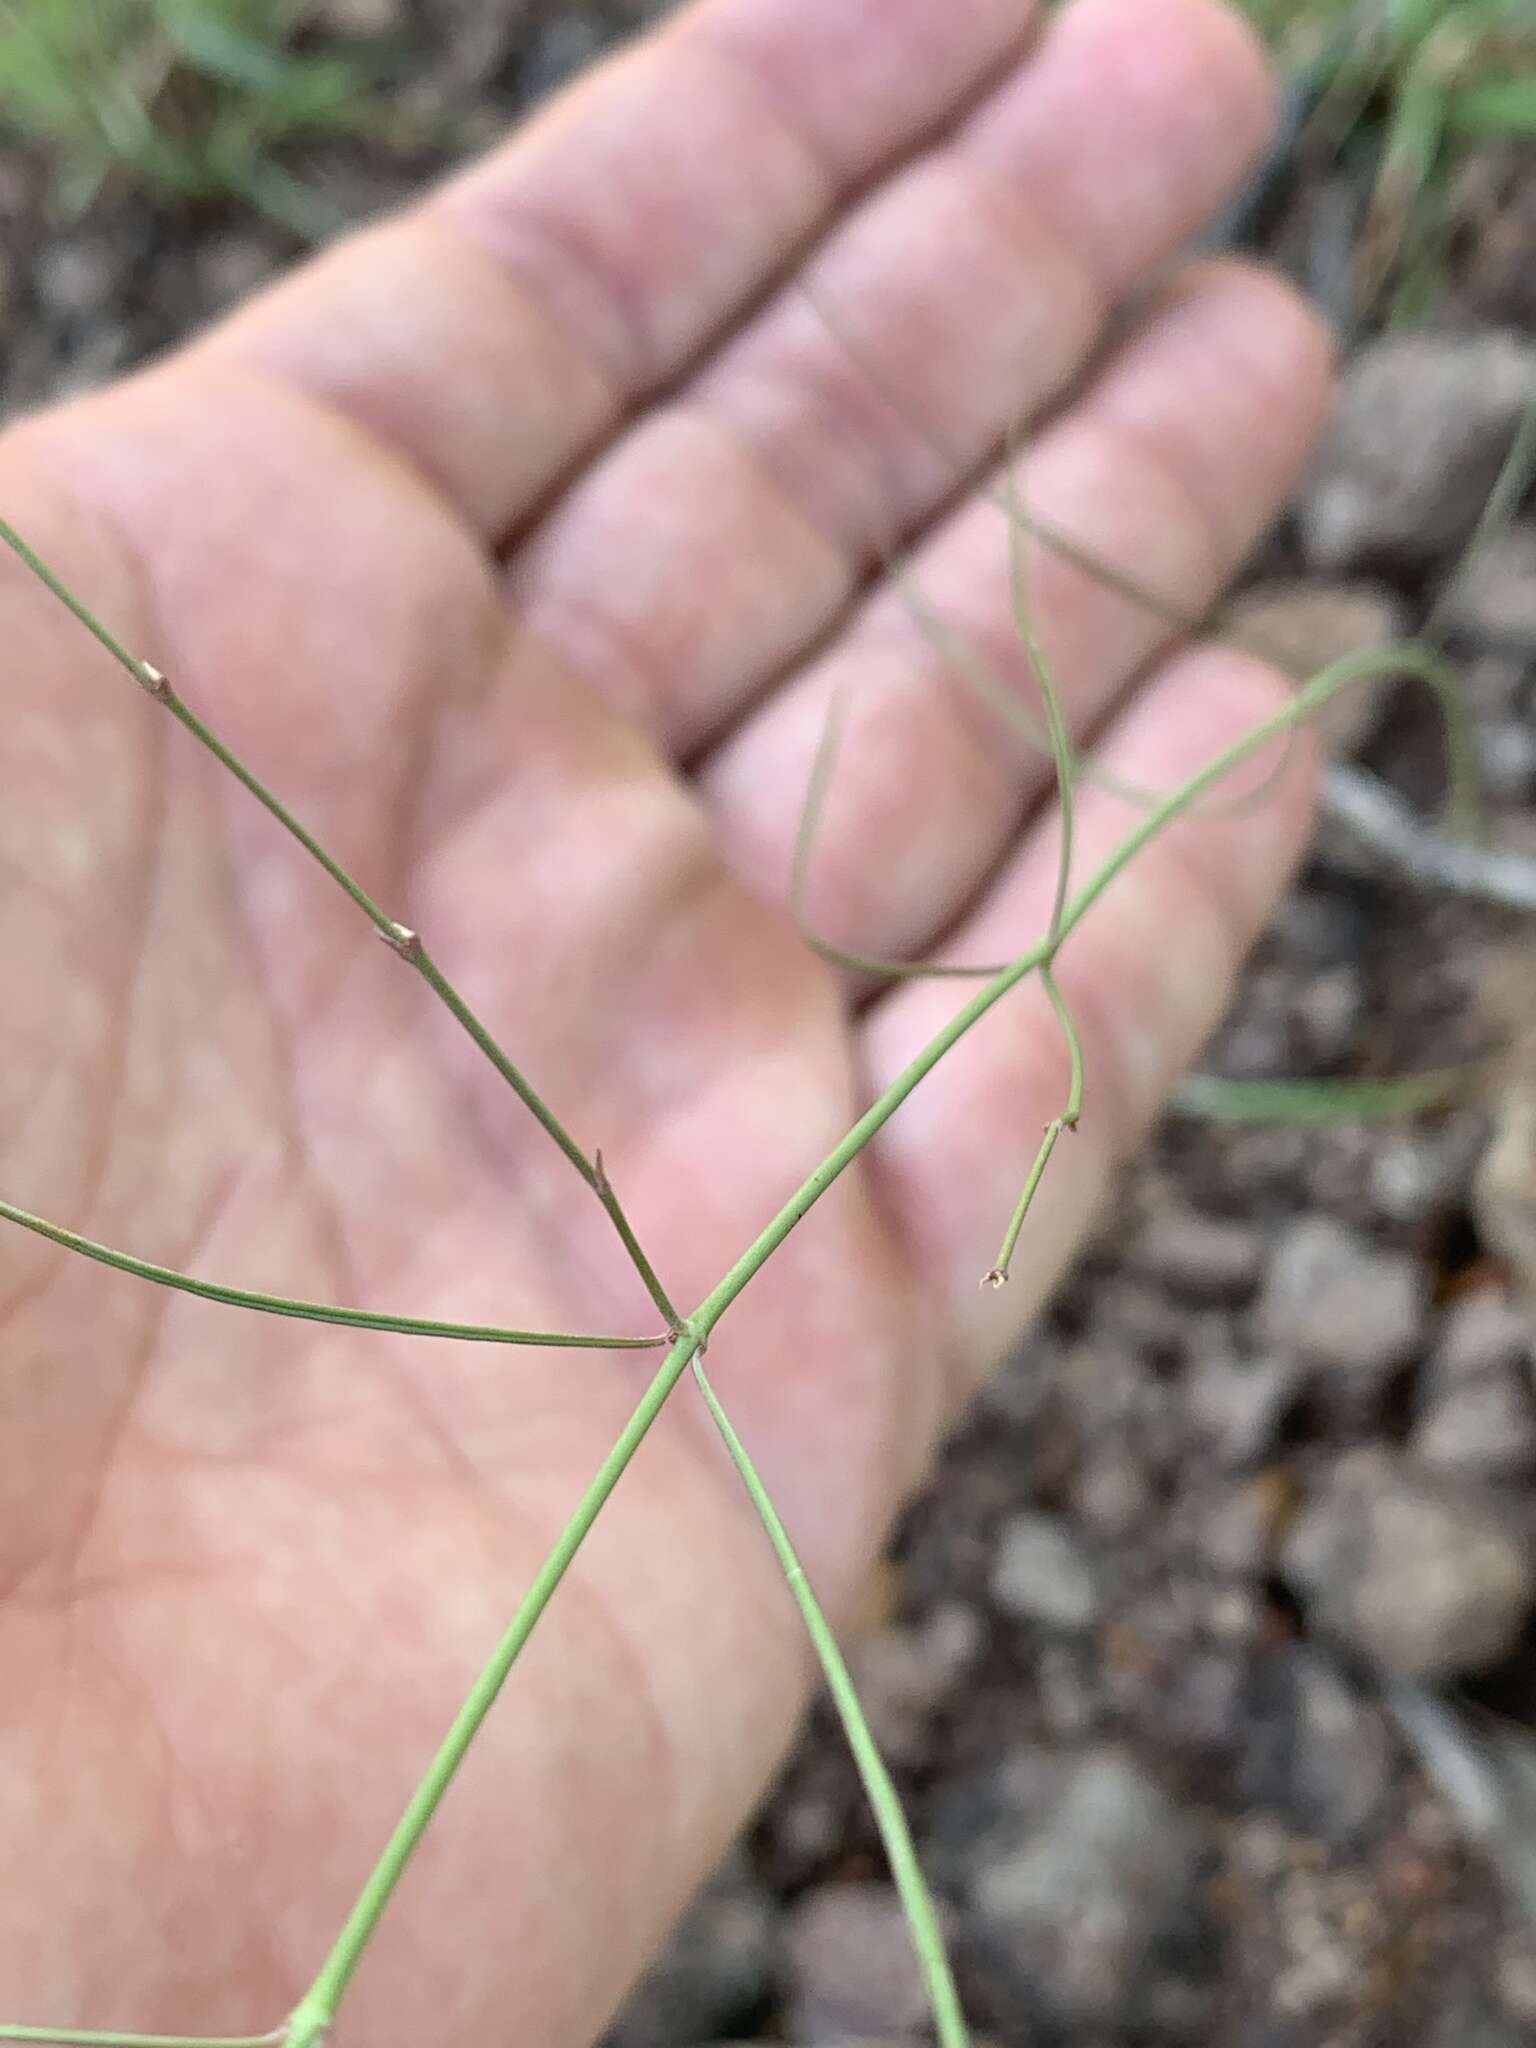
518	543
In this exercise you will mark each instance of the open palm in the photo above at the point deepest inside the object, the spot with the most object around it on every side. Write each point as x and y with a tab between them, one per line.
518	543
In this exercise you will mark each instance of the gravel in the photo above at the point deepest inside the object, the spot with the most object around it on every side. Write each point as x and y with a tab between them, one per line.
1088	1870
718	1972
1042	1574
852	1971
1422	426
1428	1576
1332	1298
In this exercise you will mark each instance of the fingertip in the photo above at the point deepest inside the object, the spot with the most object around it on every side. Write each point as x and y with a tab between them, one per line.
1141	121
1205	48
1286	342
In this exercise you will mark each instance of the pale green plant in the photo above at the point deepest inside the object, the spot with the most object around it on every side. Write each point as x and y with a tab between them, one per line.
686	1335
1408	86
183	99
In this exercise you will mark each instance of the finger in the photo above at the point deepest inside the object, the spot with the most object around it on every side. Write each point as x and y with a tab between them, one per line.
492	333
711	545
1177	456
1146	976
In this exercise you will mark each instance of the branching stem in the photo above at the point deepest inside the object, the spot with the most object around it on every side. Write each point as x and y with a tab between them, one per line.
884	1801
398	937
310	1311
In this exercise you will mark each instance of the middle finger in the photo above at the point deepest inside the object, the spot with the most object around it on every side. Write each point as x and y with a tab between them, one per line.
712	545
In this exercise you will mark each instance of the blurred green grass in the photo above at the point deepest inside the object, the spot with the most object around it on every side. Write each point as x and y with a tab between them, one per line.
1400	90
186	100
194	101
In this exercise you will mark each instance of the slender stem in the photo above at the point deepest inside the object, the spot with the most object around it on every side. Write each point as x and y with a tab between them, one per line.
1074	1108
827	749
312	2018
1067	1120
81	2037
591	1171
316	2011
631	1243
310	1311
400	938
1510	486
885	1802
1330	1099
998	1275
1062	755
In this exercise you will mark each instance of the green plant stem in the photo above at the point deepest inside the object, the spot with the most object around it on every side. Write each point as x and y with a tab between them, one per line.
317	2010
1499	507
998	1274
1328	1099
315	2013
310	1311
885	1803
398	937
81	2037
1066	1121
1062	757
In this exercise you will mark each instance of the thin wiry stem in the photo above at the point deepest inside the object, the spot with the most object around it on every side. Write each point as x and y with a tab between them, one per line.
317	2010
825	761
310	1311
1063	761
83	2037
1329	1099
398	937
1516	473
1063	758
315	2014
884	1800
1066	1121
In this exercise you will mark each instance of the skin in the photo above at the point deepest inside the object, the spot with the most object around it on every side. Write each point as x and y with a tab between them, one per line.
518	543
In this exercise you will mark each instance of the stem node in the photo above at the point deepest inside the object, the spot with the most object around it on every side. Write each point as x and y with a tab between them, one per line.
402	940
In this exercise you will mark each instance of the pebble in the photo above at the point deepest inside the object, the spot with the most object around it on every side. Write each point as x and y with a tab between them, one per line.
1506	759
1341	1770
1072	1891
1332	1297
1493	599
360	17
1413	1174
1113	1489
1485	1331
1042	1574
1235	1527
1304	625
1423	424
852	1972
1205	1258
1238	1405
904	1674
1427	1575
717	1973
231	266
74	278
1483	1425
1504	1186
1465	2018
